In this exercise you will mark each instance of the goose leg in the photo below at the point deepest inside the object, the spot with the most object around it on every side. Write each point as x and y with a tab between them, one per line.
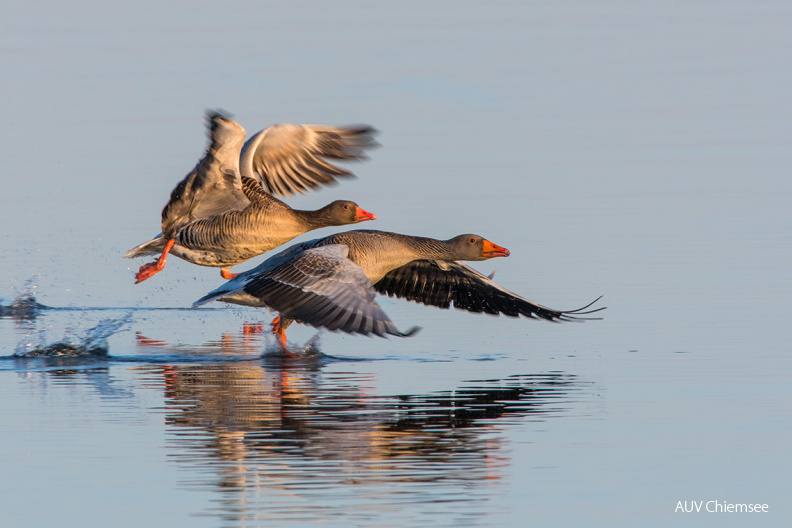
279	325
152	268
226	273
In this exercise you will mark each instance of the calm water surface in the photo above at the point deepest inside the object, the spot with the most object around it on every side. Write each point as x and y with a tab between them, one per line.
625	149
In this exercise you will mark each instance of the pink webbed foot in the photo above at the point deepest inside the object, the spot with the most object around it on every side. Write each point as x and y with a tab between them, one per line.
147	271
280	334
226	273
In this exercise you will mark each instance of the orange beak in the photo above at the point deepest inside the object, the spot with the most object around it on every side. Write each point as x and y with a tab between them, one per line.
361	215
491	250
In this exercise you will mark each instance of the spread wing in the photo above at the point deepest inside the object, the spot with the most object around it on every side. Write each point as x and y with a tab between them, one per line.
453	283
292	159
318	286
214	186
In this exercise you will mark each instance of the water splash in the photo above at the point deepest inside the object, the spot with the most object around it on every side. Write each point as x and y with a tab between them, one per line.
92	343
24	307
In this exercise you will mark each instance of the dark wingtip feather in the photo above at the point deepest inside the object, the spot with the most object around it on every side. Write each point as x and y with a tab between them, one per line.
200	302
573	315
209	297
412	331
213	118
409	333
580	311
362	137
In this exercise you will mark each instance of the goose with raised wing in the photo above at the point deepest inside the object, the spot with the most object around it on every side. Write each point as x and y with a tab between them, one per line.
225	212
332	282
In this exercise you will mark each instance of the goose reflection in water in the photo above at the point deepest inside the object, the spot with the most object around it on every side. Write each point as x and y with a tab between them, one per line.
276	431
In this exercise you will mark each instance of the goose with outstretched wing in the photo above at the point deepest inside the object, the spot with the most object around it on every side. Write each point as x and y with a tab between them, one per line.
225	211
332	282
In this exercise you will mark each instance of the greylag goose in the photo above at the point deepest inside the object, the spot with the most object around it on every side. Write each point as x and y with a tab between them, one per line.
332	282
224	212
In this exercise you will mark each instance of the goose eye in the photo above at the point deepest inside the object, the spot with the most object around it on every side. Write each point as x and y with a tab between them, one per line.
346	206
472	240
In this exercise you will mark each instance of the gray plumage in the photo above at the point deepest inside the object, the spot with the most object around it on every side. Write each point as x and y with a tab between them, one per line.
288	159
220	214
332	282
